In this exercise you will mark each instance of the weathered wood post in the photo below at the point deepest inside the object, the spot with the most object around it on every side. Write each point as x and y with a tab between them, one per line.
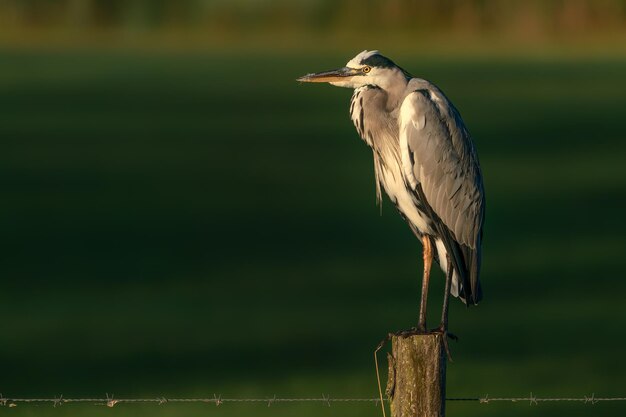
416	384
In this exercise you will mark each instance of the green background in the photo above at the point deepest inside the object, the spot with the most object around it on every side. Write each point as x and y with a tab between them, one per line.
185	222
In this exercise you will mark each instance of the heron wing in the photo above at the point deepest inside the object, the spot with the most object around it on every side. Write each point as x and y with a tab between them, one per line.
441	165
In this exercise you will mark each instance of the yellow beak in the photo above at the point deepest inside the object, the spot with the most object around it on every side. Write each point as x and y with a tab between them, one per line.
340	74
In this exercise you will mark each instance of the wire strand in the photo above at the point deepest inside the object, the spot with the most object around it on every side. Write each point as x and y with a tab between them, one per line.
217	400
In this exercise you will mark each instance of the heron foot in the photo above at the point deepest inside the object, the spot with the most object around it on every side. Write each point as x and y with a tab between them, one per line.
402	333
411	332
444	332
414	331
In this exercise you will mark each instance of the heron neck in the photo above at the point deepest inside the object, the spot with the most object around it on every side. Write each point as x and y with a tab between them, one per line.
395	90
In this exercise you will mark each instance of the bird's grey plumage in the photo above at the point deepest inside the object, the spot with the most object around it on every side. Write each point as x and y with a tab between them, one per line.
424	159
443	162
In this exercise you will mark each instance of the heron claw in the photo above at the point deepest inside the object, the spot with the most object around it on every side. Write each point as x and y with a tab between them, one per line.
411	332
444	332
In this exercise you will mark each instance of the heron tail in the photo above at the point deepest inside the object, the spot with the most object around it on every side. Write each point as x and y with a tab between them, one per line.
466	268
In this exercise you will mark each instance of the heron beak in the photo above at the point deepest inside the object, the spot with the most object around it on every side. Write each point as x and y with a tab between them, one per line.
340	74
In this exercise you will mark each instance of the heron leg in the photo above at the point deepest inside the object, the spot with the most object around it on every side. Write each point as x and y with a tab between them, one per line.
428	261
446	297
443	327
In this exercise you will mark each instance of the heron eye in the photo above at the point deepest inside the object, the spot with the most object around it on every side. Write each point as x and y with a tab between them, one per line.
366	69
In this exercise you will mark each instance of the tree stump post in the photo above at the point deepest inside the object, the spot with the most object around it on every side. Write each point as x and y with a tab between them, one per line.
416	384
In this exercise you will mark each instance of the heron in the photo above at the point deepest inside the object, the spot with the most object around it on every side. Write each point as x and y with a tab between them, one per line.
426	162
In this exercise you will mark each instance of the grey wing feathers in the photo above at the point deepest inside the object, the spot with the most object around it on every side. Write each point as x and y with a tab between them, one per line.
439	157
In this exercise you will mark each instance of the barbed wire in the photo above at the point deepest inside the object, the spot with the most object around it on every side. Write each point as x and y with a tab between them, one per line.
217	400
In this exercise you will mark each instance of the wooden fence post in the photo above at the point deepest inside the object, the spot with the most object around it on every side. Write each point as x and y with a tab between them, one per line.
416	385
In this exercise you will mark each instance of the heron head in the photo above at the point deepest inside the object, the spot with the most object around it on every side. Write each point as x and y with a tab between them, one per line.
367	68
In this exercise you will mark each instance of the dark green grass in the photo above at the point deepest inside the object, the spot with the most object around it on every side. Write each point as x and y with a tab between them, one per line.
184	225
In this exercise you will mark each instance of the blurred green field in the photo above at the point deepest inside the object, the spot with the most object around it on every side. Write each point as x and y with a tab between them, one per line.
199	223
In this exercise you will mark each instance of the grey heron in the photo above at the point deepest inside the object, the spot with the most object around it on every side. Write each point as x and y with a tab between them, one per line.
426	162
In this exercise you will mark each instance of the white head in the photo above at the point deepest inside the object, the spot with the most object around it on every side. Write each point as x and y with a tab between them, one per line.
367	68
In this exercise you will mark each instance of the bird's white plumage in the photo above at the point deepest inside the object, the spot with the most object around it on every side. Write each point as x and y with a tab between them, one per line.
408	117
393	180
442	254
356	62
